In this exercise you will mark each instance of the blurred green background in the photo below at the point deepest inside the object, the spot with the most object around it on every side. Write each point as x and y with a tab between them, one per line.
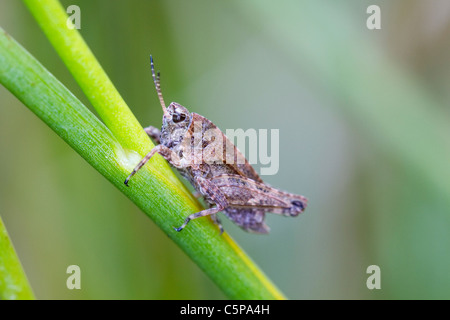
364	134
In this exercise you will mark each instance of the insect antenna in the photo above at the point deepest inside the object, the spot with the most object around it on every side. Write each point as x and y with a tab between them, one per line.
158	86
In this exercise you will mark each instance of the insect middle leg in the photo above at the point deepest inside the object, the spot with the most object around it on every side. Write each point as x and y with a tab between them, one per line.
216	196
199	214
153	133
216	220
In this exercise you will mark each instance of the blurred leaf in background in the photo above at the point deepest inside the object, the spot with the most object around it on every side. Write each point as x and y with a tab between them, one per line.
363	122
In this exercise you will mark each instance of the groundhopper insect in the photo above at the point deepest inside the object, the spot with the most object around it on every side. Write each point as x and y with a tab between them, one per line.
216	169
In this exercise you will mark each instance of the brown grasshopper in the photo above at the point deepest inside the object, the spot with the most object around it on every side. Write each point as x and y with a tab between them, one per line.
216	168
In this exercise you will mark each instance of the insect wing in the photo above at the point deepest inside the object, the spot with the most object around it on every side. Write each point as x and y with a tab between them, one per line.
229	153
246	193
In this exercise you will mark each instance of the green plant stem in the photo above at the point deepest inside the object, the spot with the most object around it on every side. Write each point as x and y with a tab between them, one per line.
13	282
81	62
158	196
96	84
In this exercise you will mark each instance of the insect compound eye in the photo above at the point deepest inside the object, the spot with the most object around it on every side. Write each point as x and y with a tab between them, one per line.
178	117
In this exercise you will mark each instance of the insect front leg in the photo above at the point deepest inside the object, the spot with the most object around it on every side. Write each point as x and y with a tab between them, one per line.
161	149
153	133
215	195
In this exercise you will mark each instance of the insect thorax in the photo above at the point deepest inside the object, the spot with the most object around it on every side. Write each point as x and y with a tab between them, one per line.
172	134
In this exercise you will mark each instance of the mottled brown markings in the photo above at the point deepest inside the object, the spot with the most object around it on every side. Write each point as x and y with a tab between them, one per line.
217	170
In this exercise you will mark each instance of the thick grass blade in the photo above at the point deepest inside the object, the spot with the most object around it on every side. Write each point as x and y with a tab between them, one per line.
13	281
152	190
